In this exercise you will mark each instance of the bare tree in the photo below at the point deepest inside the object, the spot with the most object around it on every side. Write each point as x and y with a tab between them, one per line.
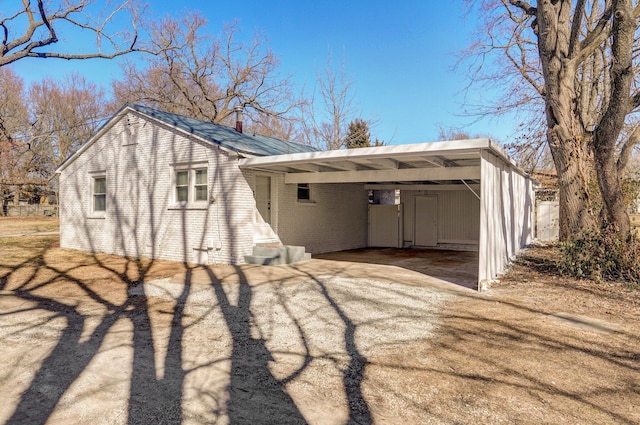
31	30
13	123
63	115
41	126
206	79
575	61
326	117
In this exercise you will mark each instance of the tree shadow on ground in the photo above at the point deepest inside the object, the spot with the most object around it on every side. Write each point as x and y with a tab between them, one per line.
255	395
507	363
88	314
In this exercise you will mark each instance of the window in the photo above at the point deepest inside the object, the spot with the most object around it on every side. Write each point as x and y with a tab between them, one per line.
190	185
200	185
182	186
99	188
304	192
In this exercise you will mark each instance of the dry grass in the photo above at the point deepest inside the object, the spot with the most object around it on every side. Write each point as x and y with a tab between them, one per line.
28	224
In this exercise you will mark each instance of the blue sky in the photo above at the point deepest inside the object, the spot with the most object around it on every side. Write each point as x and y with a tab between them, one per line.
398	55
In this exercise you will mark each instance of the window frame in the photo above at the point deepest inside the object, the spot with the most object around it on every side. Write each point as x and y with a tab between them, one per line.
93	179
309	198
193	194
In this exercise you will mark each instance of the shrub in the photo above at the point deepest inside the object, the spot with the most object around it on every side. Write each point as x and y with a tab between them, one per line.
602	256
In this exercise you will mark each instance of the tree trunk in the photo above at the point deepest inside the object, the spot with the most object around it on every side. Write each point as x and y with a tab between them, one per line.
616	211
571	158
611	124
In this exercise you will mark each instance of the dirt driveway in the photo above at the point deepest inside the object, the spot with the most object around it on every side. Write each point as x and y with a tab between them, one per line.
105	340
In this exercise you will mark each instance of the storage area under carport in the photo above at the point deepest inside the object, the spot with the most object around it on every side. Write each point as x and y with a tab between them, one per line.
462	196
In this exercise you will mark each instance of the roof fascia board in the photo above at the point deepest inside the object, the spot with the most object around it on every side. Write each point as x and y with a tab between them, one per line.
432	187
366	176
396	151
500	153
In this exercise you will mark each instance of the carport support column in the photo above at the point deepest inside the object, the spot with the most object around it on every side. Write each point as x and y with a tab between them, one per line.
485	210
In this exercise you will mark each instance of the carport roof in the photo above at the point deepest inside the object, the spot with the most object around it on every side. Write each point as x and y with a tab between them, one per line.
448	161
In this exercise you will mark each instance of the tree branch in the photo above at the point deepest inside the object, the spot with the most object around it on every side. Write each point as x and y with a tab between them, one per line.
575	27
595	38
627	149
34	39
525	7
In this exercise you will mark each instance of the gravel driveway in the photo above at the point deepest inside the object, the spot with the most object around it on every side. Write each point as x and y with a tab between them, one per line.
220	345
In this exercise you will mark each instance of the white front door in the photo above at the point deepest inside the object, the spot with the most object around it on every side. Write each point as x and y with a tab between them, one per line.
426	221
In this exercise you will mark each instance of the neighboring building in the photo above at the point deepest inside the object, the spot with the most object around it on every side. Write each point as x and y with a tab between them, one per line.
155	184
547	206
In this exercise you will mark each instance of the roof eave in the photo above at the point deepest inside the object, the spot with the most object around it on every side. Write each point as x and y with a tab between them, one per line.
430	148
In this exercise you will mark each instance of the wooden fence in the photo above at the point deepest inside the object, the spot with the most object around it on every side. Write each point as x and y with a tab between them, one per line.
16	210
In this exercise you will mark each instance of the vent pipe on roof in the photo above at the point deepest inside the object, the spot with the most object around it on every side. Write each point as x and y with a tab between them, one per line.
238	110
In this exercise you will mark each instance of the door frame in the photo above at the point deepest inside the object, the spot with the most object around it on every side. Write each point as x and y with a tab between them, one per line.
273	198
415	219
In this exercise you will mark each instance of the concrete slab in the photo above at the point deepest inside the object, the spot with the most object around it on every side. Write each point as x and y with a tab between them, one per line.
458	267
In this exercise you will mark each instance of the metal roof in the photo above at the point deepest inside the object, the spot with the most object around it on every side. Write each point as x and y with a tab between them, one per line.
433	162
227	137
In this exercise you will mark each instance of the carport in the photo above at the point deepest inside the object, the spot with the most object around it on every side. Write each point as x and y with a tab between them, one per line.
464	195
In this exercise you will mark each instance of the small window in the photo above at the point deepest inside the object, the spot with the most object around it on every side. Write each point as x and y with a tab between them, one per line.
99	194
304	192
190	185
182	186
201	185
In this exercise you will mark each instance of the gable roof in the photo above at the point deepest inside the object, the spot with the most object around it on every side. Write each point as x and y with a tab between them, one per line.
221	135
226	137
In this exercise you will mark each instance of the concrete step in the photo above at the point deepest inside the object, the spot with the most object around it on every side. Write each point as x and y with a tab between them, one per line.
276	255
294	253
259	259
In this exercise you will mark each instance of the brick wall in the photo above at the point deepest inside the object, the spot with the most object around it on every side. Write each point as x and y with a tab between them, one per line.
141	219
335	220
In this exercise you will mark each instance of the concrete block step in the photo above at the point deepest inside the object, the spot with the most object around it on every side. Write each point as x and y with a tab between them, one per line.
294	253
259	259
276	255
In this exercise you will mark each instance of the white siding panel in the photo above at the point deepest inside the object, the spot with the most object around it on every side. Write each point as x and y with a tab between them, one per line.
548	220
506	216
385	225
458	216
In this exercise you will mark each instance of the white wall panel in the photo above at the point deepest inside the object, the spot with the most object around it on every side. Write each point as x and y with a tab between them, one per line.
458	216
385	225
506	216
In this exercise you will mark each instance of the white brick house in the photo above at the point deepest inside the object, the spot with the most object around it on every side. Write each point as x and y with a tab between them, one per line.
164	186
160	185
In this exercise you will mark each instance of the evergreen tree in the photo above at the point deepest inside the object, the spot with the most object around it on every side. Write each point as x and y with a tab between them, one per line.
358	135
